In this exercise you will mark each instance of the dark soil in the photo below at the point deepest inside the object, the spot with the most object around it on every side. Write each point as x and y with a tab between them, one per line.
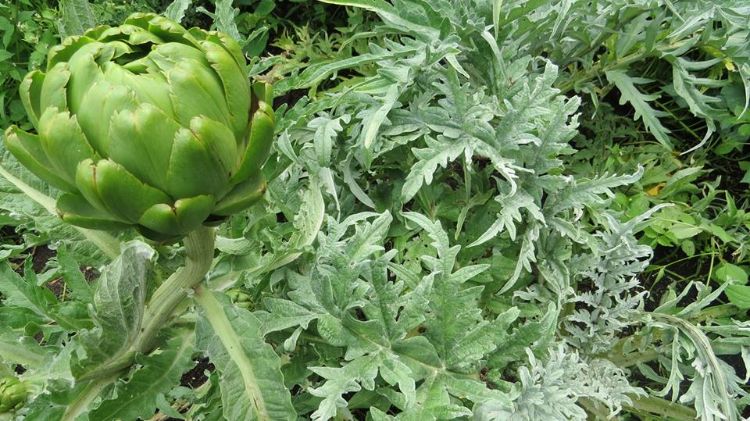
41	256
57	286
197	375
688	268
290	98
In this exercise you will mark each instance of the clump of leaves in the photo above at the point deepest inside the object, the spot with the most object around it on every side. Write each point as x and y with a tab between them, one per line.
443	234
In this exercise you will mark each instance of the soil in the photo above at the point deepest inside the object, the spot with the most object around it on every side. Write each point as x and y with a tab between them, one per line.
687	268
197	375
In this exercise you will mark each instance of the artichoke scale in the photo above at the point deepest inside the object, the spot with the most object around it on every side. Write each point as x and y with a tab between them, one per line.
63	52
63	142
53	93
218	140
242	196
27	149
182	217
31	95
259	142
168	30
193	170
234	82
108	186
148	87
195	90
74	209
103	99
165	56
84	71
141	140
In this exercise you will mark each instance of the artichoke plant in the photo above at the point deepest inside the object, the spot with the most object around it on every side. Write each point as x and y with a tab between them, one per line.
147	125
12	394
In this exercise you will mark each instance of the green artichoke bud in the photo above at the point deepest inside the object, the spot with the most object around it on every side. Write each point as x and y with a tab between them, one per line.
241	298
147	125
13	394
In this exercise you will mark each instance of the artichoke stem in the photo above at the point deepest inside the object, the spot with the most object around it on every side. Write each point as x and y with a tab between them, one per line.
199	253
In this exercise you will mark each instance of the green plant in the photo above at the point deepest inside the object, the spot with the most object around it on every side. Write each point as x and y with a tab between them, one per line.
449	231
28	31
13	394
118	135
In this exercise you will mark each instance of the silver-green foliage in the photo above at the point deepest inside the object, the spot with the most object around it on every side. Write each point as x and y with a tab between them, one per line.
428	248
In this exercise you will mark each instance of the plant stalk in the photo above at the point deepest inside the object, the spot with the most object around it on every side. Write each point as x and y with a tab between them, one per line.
652	405
199	254
223	328
84	399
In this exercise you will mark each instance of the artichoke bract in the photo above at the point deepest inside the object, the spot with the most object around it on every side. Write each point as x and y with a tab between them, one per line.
13	394
147	125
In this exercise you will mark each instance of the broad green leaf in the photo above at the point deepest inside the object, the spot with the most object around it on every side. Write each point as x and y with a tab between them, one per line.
77	17
739	295
118	307
157	374
19	292
252	386
727	272
340	381
22	350
80	288
439	152
283	314
535	334
176	10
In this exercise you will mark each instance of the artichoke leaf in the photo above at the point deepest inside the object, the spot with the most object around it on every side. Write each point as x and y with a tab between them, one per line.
141	141
165	56
259	142
218	139
141	37
63	142
53	88
169	30
84	71
182	217
149	87
63	52
27	148
75	210
229	44
130	34
242	196
103	99
263	93
234	81
193	170
31	94
111	33
96	32
196	90
140	20
108	186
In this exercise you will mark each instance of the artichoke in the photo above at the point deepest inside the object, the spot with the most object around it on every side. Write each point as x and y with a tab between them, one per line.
147	125
12	394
